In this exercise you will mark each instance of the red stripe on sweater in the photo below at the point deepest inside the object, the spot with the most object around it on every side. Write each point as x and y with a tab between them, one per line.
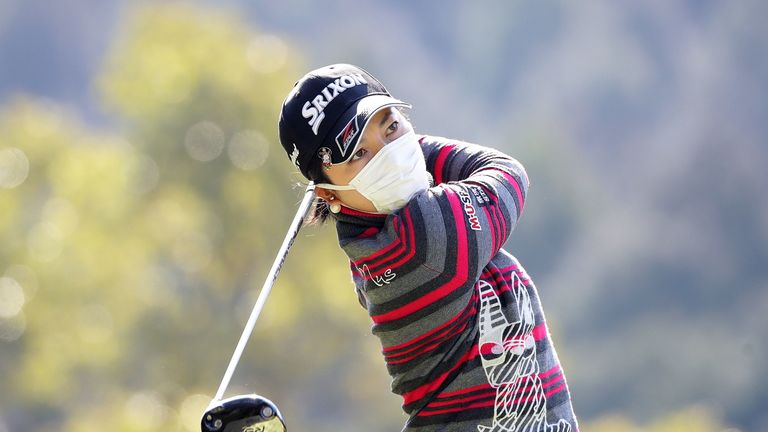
488	403
427	349
401	239
498	226
430	333
554	370
464	391
382	251
551	381
423	390
369	232
440	162
441	336
353	212
506	278
426	337
536	395
513	182
556	390
513	267
483	404
504	283
409	248
460	277
491	394
501	223
549	378
494	234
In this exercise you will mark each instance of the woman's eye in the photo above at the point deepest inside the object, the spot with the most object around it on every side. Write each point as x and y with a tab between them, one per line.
393	127
358	154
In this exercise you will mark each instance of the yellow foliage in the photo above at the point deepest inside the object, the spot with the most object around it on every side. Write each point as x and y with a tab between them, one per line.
696	418
171	54
142	250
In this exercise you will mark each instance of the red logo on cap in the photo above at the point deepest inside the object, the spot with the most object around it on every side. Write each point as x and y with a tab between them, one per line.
346	136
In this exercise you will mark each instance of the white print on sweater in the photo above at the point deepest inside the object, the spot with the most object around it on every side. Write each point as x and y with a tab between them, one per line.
469	209
508	355
384	278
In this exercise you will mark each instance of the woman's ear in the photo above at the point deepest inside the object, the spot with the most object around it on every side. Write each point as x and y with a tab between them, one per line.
324	193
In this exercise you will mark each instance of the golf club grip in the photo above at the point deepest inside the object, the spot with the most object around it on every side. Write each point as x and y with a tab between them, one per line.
293	231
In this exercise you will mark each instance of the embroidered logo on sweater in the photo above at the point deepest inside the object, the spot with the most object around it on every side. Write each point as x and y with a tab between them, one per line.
508	356
380	280
480	195
469	209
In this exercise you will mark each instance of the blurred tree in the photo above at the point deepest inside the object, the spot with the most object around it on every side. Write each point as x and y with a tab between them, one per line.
131	259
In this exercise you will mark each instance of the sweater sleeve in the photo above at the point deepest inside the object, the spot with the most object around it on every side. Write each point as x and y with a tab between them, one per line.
479	194
435	247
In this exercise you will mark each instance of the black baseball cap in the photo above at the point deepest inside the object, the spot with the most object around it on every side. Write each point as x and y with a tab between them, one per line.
326	111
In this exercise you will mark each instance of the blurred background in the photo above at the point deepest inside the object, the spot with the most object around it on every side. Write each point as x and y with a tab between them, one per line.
143	196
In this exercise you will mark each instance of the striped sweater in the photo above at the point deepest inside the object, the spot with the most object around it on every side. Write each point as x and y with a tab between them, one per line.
461	327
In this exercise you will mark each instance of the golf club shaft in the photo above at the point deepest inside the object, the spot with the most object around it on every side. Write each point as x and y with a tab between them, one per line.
293	231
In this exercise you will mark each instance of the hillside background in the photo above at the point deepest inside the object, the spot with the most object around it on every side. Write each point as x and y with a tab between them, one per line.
143	195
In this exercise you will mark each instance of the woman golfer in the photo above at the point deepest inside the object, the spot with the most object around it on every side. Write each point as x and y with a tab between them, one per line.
422	220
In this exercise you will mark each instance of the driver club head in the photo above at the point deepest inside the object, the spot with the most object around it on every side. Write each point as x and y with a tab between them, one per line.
245	413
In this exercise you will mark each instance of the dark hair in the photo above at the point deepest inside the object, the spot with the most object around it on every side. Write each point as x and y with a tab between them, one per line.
320	212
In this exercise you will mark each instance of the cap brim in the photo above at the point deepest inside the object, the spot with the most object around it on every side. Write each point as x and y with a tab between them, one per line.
357	117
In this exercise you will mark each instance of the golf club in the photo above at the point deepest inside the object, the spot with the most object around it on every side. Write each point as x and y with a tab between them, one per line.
245	413
254	413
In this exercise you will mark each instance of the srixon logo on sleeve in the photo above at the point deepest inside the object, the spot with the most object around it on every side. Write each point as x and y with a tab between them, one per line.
469	209
313	110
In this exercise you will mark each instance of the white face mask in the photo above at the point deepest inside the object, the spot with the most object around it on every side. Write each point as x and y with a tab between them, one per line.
393	176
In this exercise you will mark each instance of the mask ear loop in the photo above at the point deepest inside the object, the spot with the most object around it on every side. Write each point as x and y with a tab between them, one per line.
325	154
335	187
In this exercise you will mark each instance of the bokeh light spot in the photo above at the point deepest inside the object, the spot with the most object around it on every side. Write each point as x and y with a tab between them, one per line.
266	54
12	329
11	297
62	214
25	277
204	141
147	410
45	242
14	167
248	150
